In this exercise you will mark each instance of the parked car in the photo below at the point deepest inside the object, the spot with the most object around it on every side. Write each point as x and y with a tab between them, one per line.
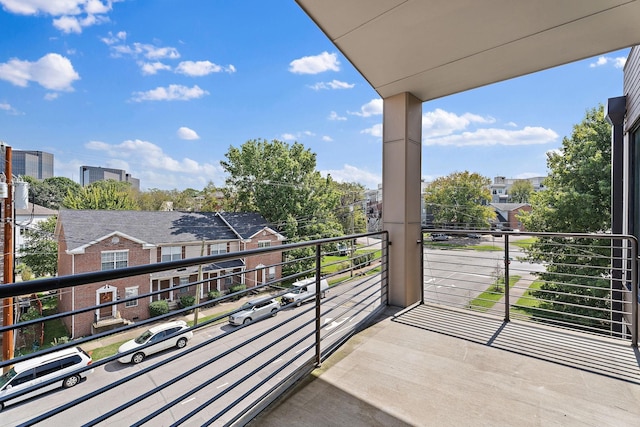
343	250
474	236
254	309
161	337
439	237
60	365
304	290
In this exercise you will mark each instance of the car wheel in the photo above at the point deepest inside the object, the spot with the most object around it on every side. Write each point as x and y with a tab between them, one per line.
182	342
298	303
1	406
322	295
71	381
247	320
274	312
138	357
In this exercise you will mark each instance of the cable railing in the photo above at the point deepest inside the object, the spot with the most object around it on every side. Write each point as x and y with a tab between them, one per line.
584	282
226	374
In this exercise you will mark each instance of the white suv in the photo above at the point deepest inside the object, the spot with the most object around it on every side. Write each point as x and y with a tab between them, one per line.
61	365
254	309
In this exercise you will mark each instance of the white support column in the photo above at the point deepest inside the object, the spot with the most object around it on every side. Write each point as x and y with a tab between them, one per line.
401	174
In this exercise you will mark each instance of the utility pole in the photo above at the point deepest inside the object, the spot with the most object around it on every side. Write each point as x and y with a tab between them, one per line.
7	312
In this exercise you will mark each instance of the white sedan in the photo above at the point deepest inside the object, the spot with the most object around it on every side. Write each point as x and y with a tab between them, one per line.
158	338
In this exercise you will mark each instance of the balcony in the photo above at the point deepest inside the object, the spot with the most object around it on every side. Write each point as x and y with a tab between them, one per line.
470	353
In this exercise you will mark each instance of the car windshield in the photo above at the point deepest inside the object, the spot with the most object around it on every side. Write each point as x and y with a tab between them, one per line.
143	338
247	306
6	377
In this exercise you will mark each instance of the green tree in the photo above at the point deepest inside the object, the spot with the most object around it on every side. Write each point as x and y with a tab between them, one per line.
280	181
576	198
40	252
520	191
51	192
107	195
460	200
153	199
212	198
350	213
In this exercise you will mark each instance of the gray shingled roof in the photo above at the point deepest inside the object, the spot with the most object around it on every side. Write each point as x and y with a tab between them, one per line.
246	224
81	227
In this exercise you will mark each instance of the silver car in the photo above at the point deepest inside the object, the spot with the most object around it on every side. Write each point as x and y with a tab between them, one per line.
158	338
254	309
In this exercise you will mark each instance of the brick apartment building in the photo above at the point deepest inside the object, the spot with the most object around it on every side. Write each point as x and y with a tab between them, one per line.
94	240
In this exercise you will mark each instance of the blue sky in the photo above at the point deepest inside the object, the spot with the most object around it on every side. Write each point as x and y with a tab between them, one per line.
162	89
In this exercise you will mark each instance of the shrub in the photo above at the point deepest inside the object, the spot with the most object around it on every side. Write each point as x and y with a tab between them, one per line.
362	259
214	295
158	308
237	288
187	301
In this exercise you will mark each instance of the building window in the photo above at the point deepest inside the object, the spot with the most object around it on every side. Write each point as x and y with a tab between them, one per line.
171	253
228	280
264	243
272	273
131	293
184	281
218	248
114	259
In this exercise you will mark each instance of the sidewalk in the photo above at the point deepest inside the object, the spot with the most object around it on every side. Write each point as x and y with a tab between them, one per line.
219	309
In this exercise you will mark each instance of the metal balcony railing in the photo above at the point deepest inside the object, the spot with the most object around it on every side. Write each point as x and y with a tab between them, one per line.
584	282
226	374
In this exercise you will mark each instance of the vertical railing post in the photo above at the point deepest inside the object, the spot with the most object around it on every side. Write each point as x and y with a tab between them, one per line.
385	256
506	278
634	293
421	243
318	324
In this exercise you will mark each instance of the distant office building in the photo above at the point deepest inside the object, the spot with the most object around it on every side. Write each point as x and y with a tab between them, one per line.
36	164
89	174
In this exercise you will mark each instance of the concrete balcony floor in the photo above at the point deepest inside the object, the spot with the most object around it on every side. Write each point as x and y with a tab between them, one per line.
433	366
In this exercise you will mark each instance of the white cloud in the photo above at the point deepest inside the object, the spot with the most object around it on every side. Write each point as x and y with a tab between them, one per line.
492	136
333	84
604	60
8	108
150	68
70	16
297	135
155	168
375	130
202	68
170	93
334	116
439	122
52	71
315	64
350	173
188	134
371	108
327	138
114	38
51	96
145	50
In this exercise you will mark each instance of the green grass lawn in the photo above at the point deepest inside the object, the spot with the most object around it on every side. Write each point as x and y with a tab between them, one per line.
491	296
524	243
106	351
527	301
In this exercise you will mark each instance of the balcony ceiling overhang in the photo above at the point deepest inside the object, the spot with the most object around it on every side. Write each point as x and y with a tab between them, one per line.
434	48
